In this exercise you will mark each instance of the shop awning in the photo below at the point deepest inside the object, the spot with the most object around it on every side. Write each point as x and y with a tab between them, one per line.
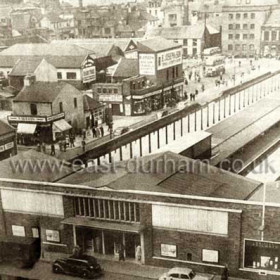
26	128
87	222
61	125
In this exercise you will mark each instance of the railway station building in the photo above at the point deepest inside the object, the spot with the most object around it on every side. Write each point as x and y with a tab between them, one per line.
180	211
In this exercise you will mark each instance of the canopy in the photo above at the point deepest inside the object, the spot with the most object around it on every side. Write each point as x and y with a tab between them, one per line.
61	125
26	128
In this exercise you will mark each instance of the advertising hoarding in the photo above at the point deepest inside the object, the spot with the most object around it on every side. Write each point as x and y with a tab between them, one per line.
169	58
147	64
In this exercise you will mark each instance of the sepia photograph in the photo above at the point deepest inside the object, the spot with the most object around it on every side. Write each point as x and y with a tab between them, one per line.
140	139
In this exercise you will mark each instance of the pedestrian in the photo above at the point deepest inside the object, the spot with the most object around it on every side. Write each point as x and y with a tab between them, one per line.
221	76
193	97
138	253
39	148
186	82
43	147
84	145
121	253
98	133
84	133
224	275
202	87
196	91
64	145
239	63
185	94
71	139
101	131
198	78
52	149
60	145
111	132
93	131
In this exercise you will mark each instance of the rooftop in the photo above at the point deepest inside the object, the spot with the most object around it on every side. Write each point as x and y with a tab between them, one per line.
274	19
44	92
25	66
126	68
5	128
250	2
10	168
90	103
170	173
156	44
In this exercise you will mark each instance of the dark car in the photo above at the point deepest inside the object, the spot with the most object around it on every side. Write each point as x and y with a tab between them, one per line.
82	266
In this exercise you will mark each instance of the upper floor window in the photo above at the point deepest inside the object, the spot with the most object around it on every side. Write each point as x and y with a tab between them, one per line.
33	109
230	47
230	36
59	75
273	35
245	15
60	107
230	16
253	15
237	36
238	16
252	36
71	76
230	26
245	26
237	26
252	26
245	36
266	35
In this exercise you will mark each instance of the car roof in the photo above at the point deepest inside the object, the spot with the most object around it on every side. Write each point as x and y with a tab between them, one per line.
180	270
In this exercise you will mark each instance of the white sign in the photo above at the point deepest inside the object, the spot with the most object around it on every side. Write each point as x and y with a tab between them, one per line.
55	117
146	64
18	230
26	119
168	250
35	232
110	97
89	74
169	58
52	235
210	256
7	146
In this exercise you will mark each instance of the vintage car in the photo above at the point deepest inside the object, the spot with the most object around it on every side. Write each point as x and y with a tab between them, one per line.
184	273
82	266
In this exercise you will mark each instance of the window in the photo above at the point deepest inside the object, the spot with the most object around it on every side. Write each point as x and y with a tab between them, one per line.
33	109
184	276
245	36
273	35
189	257
60	107
252	47
237	26
159	61
71	76
238	16
99	90
252	36
266	35
237	47
59	75
230	36
252	26
245	15
230	16
174	275
52	235
237	36
104	90
244	47
107	30
245	26
253	15
230	26
75	103
230	47
195	42
115	90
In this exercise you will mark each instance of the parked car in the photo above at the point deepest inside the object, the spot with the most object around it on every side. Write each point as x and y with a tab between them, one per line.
184	273
83	266
121	130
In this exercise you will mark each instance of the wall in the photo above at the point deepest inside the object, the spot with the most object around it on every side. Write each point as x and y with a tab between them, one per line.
23	108
45	72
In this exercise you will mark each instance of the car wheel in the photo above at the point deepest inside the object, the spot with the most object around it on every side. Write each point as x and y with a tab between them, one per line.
57	269
85	274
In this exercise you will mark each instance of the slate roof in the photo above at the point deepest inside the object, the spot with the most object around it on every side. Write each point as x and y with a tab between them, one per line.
274	19
35	158
43	92
126	68
25	66
5	128
156	44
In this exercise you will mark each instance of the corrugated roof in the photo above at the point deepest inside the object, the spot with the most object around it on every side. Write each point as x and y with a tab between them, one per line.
44	92
25	66
126	68
156	44
5	128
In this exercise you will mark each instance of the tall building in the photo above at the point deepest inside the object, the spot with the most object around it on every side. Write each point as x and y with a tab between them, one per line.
242	23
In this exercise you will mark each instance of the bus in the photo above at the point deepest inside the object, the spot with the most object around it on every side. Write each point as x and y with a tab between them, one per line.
212	51
214	66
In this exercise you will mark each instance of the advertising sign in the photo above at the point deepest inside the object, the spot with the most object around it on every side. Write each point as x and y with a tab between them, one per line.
89	70
26	119
52	235
169	58
110	97
210	256
146	64
18	230
168	250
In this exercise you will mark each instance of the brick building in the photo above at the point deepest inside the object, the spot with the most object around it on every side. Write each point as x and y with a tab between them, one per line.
8	143
182	213
242	24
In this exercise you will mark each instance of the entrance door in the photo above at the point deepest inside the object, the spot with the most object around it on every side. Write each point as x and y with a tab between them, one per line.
131	242
112	241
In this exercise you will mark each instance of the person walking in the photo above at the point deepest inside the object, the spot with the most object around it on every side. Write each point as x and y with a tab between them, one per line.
52	149
202	87
84	133
71	139
196	91
84	145
43	147
39	148
101	131
93	132
224	275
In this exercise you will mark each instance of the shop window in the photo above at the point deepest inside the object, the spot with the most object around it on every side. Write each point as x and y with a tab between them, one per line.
60	107
71	76
59	75
33	109
75	103
52	235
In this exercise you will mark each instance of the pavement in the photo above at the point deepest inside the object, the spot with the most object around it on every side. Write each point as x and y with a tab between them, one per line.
113	270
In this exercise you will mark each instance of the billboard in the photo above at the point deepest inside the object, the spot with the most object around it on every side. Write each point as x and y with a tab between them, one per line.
89	71
169	58
147	64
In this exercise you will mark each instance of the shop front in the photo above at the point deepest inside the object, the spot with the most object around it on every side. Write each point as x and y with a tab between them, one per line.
261	255
106	239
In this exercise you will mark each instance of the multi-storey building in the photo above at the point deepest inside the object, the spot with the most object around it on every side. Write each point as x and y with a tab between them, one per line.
270	39
242	24
154	8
